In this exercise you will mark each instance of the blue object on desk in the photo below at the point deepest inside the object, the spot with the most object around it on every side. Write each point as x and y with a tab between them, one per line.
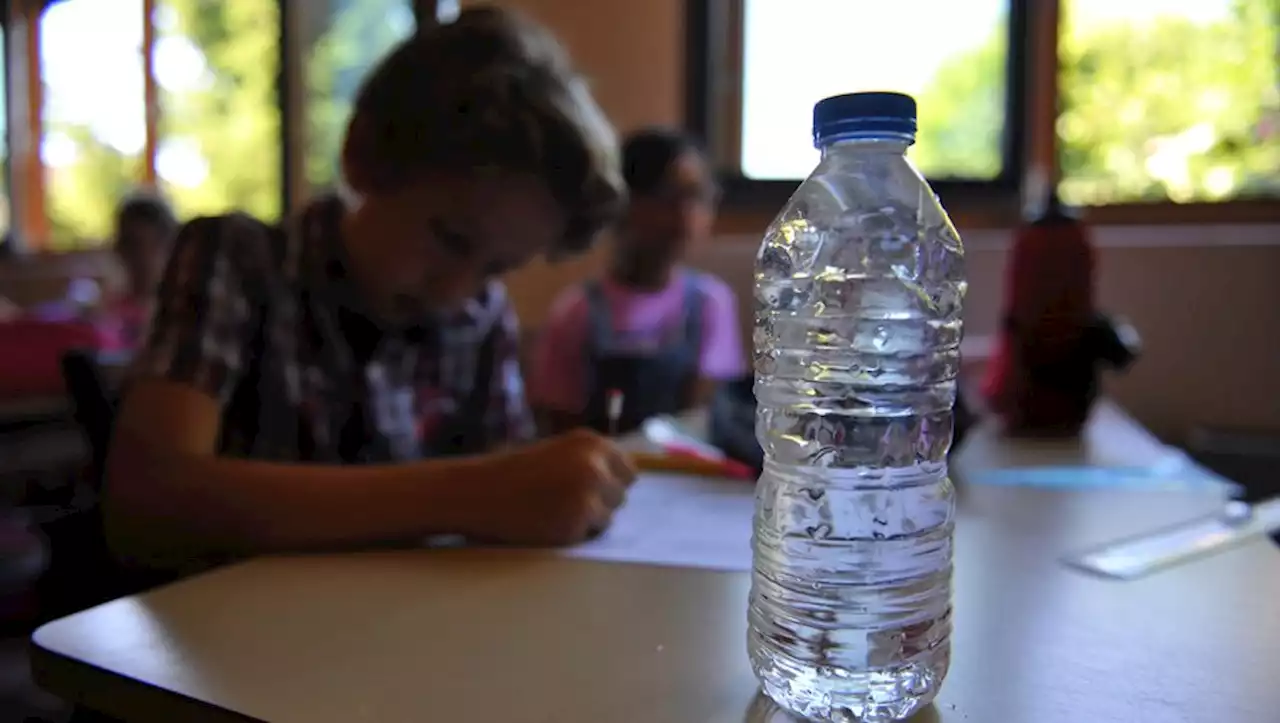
1180	476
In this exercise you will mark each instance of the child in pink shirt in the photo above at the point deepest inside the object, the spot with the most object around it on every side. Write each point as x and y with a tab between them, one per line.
660	334
145	231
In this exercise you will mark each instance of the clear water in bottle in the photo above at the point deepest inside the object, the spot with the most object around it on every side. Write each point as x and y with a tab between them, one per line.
859	288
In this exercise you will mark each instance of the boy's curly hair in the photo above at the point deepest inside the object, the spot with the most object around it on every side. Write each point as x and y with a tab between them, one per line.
491	90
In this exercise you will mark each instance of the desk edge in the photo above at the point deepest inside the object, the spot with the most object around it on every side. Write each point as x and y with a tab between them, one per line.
117	695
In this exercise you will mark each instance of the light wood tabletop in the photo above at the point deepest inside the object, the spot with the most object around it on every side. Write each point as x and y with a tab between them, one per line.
535	637
1111	438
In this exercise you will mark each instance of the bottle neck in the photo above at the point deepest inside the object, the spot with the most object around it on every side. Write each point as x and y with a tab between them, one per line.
893	144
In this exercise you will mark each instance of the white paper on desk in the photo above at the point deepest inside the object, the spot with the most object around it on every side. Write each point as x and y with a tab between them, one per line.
679	521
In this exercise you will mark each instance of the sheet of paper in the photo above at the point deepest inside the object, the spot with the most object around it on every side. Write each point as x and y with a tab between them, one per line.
688	521
679	521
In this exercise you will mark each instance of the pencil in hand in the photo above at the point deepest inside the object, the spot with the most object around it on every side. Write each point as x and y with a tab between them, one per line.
614	410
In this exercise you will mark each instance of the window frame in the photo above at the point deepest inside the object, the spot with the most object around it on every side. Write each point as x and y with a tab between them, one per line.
28	231
713	108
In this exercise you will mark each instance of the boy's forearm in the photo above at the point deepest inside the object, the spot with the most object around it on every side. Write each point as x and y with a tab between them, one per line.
166	509
701	392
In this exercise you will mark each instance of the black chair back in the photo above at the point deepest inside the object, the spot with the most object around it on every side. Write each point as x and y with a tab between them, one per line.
81	571
93	406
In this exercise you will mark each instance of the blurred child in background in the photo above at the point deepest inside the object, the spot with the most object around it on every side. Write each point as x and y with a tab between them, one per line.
144	234
652	331
33	340
145	228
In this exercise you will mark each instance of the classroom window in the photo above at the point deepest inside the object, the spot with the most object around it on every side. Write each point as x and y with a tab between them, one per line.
1173	103
216	66
1169	100
5	206
953	56
185	96
181	95
93	115
356	35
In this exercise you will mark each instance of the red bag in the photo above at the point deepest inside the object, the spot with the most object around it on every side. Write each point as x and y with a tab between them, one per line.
1049	307
31	351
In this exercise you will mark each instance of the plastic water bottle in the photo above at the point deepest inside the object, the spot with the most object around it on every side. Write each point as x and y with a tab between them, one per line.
859	287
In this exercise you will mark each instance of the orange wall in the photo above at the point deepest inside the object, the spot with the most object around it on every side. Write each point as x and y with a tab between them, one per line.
632	52
1204	299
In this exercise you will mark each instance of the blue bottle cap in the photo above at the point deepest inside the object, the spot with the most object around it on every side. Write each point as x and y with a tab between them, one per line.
863	115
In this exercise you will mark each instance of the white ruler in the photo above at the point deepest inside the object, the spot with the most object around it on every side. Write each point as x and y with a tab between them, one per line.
1143	554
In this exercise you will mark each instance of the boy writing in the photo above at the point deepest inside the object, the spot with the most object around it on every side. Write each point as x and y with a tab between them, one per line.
352	379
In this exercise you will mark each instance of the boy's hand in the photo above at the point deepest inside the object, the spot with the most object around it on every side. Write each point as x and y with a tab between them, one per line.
558	491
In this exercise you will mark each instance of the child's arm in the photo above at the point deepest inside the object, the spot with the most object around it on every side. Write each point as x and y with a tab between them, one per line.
9	310
722	351
170	502
703	391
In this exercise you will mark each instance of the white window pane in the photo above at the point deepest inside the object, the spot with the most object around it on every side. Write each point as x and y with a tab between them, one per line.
949	54
95	126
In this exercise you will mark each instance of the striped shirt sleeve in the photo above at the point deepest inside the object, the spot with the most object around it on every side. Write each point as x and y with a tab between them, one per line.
206	313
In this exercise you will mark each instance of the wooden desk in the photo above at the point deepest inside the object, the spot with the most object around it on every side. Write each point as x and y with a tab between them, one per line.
525	636
529	636
1111	438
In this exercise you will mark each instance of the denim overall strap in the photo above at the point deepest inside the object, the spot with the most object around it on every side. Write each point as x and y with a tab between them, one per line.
694	310
599	319
653	381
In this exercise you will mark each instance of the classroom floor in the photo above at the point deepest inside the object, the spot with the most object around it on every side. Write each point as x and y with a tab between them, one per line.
20	700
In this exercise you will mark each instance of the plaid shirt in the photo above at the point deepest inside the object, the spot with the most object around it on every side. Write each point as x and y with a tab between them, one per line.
266	321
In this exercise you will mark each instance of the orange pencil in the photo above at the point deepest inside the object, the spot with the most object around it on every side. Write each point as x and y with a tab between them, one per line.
691	464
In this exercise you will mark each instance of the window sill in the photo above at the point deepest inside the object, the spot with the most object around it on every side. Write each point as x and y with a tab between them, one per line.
1149	214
